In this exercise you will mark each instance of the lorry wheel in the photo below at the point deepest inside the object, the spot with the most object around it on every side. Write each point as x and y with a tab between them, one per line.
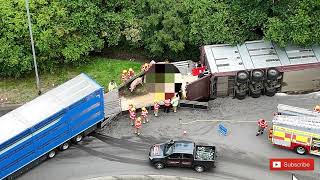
199	169
51	154
257	75
300	150
78	138
256	94
65	146
242	77
159	165
271	93
273	74
240	96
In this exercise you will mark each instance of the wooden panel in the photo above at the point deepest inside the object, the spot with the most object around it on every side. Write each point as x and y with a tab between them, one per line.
199	89
302	80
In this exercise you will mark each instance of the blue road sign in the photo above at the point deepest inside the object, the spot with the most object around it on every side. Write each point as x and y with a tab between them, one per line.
223	130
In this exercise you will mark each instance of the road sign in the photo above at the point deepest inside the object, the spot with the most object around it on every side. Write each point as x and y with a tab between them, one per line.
223	130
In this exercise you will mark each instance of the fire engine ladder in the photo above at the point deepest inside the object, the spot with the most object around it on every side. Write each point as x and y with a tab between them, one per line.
298	121
296	111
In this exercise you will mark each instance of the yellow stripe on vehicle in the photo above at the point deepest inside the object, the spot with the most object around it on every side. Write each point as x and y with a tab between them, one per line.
287	139
302	139
279	134
296	131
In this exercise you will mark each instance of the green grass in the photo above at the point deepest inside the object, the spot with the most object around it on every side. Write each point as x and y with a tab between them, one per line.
100	69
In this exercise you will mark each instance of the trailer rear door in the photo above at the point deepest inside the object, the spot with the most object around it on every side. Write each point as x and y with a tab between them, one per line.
199	89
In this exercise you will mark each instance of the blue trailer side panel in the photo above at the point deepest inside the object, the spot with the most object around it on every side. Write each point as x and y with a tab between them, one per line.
51	132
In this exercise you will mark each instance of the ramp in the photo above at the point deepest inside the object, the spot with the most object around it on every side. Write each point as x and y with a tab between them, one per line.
112	106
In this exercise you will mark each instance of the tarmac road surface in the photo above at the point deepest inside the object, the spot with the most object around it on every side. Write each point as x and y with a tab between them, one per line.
241	155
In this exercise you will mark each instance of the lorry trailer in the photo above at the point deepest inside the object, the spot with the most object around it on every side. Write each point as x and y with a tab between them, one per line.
255	68
40	128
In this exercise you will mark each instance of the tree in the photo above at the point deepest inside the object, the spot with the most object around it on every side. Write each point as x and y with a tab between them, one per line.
294	22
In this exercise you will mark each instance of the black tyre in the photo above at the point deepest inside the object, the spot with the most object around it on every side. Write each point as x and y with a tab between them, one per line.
77	138
51	154
256	94
257	75
300	150
273	73
242	76
241	96
159	165
270	92
65	146
199	169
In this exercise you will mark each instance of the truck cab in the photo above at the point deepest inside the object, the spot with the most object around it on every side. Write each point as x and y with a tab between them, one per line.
185	154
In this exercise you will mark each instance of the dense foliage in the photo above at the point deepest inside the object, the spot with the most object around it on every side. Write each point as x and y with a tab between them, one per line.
65	31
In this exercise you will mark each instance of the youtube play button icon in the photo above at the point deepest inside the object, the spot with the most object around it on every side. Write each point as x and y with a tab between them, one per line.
292	164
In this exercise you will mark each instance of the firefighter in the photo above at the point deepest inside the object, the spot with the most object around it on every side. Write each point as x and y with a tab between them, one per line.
144	114
317	108
145	67
130	107
132	116
262	124
124	75
137	126
167	104
130	73
156	107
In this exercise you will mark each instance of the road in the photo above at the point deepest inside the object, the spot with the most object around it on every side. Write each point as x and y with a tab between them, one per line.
241	155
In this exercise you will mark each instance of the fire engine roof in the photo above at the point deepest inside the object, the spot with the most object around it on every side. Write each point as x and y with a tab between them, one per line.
296	111
45	106
257	55
302	123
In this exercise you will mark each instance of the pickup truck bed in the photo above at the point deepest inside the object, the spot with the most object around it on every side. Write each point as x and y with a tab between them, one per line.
205	153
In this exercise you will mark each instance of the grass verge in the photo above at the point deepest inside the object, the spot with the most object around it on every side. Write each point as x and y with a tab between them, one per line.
100	69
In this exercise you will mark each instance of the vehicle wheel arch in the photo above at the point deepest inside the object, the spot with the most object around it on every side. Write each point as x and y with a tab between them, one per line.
199	168
159	164
77	138
64	146
301	149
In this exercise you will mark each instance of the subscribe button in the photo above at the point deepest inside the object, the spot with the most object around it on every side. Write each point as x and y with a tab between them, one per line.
292	164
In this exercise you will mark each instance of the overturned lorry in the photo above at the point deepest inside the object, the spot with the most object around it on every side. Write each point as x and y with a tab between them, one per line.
255	68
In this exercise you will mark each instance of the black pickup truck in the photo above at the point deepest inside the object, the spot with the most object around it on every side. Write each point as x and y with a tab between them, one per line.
182	154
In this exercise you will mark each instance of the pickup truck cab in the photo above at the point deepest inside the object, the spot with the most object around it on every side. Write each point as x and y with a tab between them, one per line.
182	154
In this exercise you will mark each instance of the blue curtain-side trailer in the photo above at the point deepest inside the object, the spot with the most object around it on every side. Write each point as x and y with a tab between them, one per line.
41	127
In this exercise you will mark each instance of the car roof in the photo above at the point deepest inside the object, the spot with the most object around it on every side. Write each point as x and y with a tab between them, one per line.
184	147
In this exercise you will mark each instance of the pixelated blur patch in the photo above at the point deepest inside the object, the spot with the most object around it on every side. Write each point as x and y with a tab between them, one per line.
159	87
159	96
160	77
160	68
169	88
164	78
151	87
169	78
169	95
151	78
177	87
170	68
178	78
